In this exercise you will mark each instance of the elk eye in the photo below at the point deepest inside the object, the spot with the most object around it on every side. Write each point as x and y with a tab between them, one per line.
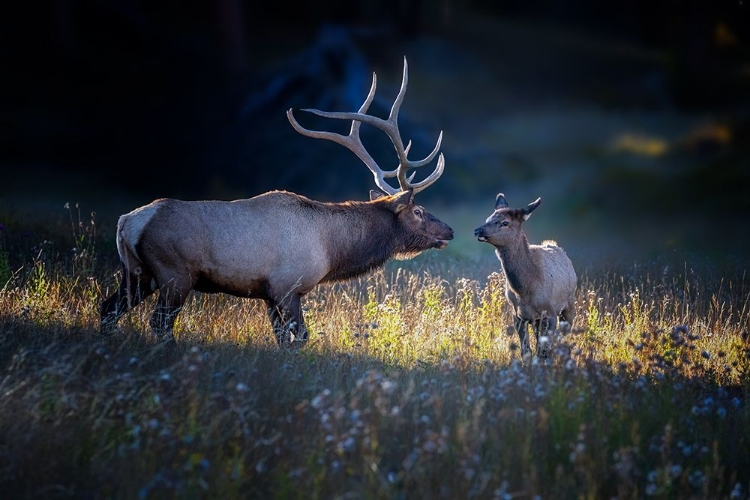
504	223
418	212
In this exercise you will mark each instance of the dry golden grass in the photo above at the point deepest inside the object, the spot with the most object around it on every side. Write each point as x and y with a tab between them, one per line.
409	386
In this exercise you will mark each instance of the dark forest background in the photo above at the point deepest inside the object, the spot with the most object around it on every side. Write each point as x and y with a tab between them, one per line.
630	119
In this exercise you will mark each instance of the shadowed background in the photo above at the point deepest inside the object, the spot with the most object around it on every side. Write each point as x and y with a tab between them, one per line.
631	120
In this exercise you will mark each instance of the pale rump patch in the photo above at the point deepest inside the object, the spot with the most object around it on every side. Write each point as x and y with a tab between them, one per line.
129	229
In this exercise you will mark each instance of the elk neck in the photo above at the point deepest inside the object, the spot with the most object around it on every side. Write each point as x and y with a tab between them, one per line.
518	265
361	236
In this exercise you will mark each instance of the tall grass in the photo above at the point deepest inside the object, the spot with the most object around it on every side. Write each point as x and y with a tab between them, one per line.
410	386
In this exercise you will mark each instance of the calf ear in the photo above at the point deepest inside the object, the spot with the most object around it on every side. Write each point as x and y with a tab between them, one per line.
500	201
530	208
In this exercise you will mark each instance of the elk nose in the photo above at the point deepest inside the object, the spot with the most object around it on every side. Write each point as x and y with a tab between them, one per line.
478	232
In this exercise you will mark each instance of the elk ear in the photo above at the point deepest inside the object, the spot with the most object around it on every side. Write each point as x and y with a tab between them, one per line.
402	200
500	201
530	208
376	195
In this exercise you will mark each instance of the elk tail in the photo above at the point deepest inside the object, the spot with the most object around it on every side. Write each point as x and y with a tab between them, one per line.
130	228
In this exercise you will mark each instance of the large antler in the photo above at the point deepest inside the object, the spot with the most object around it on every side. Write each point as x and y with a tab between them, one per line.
390	127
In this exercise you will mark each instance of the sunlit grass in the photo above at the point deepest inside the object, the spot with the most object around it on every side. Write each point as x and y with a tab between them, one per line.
410	386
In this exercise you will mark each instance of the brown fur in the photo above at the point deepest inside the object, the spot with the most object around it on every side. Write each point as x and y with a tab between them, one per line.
540	279
276	247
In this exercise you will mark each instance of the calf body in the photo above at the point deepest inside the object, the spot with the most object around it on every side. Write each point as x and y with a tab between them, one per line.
540	279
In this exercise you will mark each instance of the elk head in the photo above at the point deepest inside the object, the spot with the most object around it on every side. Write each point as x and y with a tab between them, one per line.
420	230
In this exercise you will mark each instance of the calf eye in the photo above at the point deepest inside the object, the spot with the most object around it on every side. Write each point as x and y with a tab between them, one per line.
504	223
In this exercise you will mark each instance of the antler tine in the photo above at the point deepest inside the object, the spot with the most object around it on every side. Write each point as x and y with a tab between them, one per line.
429	157
390	127
429	180
404	164
352	141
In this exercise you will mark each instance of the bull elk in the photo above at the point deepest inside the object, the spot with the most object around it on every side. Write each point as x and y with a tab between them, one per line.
540	281
279	245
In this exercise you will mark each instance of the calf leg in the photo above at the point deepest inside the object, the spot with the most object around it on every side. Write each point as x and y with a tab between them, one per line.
522	327
544	328
288	323
131	291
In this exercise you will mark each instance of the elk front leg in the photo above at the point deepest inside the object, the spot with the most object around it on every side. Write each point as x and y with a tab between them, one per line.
568	315
522	327
288	323
275	316
131	291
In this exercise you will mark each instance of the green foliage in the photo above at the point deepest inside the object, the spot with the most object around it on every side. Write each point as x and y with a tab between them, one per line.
39	283
635	314
432	301
384	342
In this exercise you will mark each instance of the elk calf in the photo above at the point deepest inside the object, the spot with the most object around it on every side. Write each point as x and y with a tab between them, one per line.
276	246
540	280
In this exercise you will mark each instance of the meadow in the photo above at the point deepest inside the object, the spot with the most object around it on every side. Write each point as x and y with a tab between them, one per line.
411	386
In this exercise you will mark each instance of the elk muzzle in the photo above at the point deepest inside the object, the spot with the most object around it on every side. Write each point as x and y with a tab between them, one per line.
446	233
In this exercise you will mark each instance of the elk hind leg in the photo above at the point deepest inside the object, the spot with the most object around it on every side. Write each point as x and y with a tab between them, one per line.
172	297
132	290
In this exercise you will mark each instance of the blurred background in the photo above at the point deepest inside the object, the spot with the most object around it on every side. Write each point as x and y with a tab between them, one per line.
630	119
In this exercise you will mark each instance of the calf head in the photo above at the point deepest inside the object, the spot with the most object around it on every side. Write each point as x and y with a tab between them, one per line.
503	226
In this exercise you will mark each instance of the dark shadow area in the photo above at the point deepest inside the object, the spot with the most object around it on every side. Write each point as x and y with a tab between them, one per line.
630	120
